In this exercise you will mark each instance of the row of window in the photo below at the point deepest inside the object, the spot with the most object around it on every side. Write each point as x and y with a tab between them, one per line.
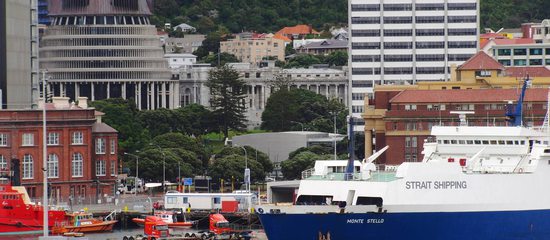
418	19
468	107
409	45
409	58
101	20
409	32
77	166
484	142
409	7
101	30
150	41
126	74
525	62
27	139
522	51
103	53
137	63
398	70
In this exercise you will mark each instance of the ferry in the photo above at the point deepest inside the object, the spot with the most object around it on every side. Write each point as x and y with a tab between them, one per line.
474	182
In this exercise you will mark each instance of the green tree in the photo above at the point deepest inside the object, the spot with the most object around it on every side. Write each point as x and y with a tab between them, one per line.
223	58
227	98
251	153
303	61
194	119
233	165
293	168
339	58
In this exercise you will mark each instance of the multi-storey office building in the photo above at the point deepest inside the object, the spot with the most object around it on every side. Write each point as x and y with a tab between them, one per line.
106	49
406	41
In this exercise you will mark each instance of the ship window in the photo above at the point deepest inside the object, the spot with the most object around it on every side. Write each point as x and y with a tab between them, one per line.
477	142
493	142
546	150
545	142
313	200
445	141
530	161
509	142
369	201
453	141
485	142
461	142
501	142
185	200
522	142
469	142
516	142
439	141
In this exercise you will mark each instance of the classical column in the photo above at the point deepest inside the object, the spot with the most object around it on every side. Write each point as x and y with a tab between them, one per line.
253	98
149	97
262	106
76	91
93	92
108	90
137	94
123	90
346	99
318	89
163	94
326	90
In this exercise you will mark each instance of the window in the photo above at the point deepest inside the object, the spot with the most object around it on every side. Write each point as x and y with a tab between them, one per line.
505	62
398	32
462	19
365	71
100	146
459	57
430	70
77	165
112	168
504	52
520	62
28	139
113	146
397	71
365	20
398	45
28	167
358	96
398	20
3	163
77	138
430	19
410	107
397	7
365	45
365	58
53	138
535	51
465	44
430	32
424	45
100	168
217	200
365	7
461	6
520	52
430	57
430	6
53	166
535	62
462	31
171	200
3	139
366	33
435	107
398	58
483	73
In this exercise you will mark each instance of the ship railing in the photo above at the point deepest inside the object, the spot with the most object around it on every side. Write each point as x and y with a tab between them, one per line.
307	173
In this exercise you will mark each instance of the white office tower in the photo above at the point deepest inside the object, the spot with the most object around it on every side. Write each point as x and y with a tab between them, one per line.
406	41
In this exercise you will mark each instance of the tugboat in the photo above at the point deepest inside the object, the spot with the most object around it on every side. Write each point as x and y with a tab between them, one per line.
169	218
474	182
18	215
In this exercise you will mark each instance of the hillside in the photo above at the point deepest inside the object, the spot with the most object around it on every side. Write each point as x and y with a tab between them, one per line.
271	15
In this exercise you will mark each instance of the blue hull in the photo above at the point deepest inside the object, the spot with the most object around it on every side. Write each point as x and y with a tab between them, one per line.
524	225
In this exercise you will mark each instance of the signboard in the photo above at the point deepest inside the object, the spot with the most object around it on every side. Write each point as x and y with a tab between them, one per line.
187	181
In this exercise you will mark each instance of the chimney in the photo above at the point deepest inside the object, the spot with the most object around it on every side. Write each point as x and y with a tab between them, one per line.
61	102
527	30
82	102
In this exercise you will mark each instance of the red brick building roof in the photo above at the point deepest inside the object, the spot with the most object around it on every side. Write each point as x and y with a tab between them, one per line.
481	61
469	96
521	72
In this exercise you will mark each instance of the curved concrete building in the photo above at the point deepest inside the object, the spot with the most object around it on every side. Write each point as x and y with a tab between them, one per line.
106	49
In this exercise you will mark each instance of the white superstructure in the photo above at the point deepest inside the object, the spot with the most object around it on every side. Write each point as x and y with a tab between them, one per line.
405	41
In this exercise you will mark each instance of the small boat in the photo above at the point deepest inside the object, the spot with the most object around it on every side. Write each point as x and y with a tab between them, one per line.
82	222
169	218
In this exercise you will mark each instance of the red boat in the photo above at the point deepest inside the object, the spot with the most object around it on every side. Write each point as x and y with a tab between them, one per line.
83	222
169	218
18	216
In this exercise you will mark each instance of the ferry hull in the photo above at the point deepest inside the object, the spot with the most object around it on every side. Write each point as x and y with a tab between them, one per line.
501	225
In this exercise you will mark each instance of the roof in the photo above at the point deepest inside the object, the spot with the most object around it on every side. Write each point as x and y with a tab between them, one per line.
102	128
481	61
282	37
331	43
469	95
514	41
184	26
298	29
99	8
521	72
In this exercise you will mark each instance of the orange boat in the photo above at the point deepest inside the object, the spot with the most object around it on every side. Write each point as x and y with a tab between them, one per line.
169	218
84	222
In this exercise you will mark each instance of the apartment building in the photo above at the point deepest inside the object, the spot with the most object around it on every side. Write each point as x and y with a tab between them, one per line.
399	42
253	48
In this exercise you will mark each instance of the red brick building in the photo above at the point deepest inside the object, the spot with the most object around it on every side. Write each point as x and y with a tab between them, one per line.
409	115
81	150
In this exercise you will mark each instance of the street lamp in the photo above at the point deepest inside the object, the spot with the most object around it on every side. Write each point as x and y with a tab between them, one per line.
137	169
163	166
301	124
44	157
246	171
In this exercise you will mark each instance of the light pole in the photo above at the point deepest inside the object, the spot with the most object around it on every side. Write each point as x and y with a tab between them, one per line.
137	169
163	166
246	171
335	156
301	124
44	156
